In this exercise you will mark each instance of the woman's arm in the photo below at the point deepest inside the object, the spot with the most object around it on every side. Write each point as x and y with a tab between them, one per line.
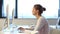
29	28
21	28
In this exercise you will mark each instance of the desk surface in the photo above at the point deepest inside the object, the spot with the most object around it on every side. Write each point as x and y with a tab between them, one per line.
13	29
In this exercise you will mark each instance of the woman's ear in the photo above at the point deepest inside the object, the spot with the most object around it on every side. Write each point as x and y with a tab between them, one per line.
38	11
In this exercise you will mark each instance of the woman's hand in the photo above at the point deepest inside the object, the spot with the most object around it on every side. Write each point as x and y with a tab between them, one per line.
21	28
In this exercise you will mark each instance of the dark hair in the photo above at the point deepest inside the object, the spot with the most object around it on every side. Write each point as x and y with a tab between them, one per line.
40	8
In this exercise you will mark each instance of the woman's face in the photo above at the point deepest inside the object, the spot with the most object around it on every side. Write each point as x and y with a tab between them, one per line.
34	11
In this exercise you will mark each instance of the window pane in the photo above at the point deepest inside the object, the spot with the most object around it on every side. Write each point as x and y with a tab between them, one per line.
25	8
11	4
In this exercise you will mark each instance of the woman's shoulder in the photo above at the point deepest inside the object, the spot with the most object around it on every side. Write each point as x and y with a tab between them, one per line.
43	19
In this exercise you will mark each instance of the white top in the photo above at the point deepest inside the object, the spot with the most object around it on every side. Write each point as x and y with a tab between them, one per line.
42	26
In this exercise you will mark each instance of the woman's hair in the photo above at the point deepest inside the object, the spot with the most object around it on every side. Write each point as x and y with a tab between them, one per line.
40	8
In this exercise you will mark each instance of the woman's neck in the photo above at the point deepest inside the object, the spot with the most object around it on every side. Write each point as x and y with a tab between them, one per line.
38	16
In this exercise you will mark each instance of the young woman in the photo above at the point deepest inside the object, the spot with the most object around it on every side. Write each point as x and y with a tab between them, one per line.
42	24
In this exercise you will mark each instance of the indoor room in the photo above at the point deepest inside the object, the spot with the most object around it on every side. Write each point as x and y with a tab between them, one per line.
29	16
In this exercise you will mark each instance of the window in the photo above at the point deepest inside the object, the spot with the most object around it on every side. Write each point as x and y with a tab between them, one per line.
11	4
24	8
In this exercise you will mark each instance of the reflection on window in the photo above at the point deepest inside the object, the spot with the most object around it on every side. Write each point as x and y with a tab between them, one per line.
25	8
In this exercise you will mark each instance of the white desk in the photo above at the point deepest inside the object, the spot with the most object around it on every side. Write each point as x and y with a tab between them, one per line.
13	29
54	26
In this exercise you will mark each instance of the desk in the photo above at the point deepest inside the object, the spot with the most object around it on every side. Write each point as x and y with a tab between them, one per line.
13	29
54	26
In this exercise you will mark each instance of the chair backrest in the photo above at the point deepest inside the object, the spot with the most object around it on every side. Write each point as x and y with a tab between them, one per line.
59	22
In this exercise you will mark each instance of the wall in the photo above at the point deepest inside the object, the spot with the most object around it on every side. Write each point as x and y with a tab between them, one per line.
33	21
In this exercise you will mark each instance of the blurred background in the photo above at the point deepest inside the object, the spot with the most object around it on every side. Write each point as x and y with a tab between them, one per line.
24	7
23	10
